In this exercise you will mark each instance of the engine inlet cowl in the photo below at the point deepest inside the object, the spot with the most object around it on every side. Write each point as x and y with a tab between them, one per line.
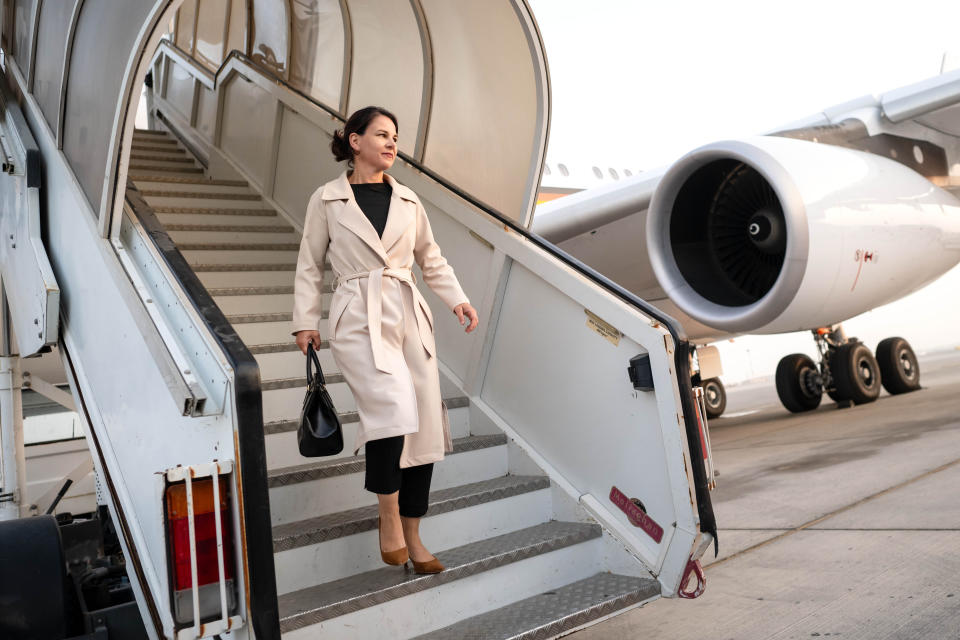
768	234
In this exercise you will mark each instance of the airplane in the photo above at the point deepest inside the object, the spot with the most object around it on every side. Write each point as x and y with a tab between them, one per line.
799	228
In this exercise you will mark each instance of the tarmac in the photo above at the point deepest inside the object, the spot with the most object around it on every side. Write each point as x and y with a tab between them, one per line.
836	523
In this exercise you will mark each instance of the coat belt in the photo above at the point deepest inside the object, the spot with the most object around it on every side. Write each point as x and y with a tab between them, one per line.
375	306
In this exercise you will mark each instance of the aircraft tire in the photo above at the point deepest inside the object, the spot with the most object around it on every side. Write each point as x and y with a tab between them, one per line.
899	369
714	397
794	383
856	373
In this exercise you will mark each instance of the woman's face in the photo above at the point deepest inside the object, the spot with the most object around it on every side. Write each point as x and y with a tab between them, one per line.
377	147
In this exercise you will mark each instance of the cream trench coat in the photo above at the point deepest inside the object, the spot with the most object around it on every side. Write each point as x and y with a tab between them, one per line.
380	328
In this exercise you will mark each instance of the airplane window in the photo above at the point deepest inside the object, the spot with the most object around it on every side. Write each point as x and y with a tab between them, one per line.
546	169
627	172
597	172
563	169
613	174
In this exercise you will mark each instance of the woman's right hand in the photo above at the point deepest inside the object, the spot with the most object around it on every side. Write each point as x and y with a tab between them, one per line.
306	337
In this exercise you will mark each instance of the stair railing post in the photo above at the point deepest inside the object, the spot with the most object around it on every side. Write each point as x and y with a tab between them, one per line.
14	486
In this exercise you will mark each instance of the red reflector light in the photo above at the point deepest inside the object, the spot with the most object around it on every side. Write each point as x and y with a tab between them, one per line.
205	532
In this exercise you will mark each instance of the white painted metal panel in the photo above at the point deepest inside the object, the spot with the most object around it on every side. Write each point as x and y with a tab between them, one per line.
206	113
97	72
247	129
48	69
486	103
317	52
304	163
179	87
471	260
388	71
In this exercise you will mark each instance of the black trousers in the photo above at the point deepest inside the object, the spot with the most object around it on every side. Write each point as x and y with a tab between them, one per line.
385	476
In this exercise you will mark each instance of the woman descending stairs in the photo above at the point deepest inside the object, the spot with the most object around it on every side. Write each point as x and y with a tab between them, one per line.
514	567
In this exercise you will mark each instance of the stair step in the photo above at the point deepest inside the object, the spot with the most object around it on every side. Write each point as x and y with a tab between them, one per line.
331	377
154	147
270	330
215	182
329	468
244	318
239	246
345	523
173	156
336	484
279	347
280	435
203	195
259	303
276	235
375	588
267	290
160	138
285	426
138	171
257	255
251	228
556	612
218	279
213	211
150	132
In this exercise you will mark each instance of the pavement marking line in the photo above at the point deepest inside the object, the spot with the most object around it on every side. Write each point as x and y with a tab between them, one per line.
807	525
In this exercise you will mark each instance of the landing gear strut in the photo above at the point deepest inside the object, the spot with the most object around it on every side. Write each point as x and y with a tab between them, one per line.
848	372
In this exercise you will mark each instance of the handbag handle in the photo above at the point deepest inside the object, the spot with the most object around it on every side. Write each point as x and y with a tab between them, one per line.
315	361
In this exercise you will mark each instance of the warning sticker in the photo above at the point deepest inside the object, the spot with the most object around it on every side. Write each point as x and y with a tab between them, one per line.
603	327
637	516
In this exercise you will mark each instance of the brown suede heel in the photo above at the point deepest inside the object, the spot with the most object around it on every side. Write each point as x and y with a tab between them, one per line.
430	566
396	557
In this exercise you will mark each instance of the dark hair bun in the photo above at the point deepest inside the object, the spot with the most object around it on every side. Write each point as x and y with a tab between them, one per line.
341	147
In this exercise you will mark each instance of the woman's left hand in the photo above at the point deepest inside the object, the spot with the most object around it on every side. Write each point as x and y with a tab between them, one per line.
465	311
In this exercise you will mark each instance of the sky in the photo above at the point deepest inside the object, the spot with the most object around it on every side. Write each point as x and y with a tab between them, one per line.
638	83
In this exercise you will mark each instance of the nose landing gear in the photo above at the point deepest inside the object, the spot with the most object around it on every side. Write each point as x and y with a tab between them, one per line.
848	372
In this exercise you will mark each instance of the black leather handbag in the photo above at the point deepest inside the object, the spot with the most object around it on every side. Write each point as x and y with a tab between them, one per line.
319	433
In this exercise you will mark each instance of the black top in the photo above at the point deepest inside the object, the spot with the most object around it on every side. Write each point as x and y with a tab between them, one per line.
374	201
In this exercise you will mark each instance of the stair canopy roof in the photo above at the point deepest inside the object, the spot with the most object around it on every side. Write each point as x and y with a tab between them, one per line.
467	79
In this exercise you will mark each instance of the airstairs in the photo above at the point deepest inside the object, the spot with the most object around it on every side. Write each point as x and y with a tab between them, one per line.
512	554
578	486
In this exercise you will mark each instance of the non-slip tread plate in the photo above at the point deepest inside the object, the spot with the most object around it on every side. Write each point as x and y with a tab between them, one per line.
230	228
203	195
354	464
326	601
285	426
550	614
213	182
345	523
237	246
215	211
279	266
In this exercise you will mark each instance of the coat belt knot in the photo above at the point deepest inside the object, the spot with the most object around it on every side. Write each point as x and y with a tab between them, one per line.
375	306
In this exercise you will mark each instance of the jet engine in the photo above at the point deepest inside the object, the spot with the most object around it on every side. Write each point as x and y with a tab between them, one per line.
767	234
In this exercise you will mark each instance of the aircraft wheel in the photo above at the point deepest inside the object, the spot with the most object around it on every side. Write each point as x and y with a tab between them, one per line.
856	373
899	369
798	383
714	397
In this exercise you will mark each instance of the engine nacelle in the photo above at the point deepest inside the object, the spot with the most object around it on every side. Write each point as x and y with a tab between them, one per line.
767	235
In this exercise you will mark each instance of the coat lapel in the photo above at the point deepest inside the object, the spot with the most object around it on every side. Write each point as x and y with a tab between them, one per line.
401	215
352	217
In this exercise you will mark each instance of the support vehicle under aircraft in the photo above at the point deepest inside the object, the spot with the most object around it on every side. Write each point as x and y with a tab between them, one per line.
798	229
